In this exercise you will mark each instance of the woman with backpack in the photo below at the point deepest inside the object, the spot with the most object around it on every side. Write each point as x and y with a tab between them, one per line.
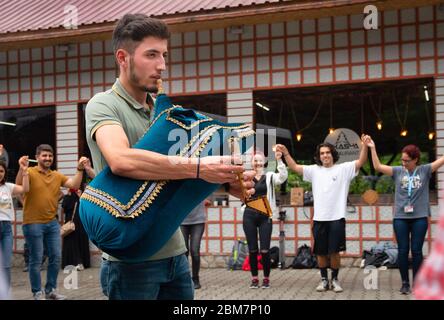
256	223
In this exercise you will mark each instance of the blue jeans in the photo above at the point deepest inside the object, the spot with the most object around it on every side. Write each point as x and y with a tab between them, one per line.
6	249
410	233
165	279
39	235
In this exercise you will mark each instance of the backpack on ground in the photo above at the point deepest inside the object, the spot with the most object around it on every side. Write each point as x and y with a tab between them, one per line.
374	259
238	255
381	254
274	257
304	258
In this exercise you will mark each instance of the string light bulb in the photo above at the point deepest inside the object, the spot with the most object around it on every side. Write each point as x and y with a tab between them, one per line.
404	133
379	124
298	136
426	93
331	130
431	135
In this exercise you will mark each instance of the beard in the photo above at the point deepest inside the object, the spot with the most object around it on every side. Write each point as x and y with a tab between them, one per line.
46	164
136	81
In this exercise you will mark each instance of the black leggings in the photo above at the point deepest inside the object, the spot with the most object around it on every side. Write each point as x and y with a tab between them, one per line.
252	222
192	234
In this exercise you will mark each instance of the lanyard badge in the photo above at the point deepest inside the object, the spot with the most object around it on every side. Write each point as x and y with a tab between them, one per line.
409	208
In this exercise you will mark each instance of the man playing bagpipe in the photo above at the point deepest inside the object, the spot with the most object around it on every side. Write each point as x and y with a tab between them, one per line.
133	209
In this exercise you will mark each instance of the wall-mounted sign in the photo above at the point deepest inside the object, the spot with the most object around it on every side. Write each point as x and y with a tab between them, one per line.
346	142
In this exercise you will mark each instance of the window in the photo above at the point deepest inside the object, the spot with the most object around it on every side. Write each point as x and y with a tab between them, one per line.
34	126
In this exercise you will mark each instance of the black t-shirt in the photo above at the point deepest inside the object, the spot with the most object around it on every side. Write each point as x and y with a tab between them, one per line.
260	186
261	190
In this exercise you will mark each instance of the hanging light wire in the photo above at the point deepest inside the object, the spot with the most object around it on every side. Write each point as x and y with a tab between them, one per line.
402	122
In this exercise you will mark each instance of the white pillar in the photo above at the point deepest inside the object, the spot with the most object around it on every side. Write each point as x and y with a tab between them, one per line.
239	110
439	107
67	144
240	106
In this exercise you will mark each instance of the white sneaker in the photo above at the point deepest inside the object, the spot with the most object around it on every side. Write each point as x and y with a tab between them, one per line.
39	295
53	295
80	267
323	286
335	286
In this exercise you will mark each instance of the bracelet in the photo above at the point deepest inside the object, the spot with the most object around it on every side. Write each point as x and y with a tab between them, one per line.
198	167
286	154
78	169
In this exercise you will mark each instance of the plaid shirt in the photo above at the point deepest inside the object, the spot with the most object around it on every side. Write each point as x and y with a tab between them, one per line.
429	283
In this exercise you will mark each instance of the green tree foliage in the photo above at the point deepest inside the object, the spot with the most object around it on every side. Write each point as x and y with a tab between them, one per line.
295	181
359	185
385	184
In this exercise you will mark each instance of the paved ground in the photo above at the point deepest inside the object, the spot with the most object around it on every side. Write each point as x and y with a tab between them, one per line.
221	284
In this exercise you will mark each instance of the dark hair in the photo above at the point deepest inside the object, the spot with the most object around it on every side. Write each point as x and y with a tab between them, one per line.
333	151
44	147
3	164
133	28
412	151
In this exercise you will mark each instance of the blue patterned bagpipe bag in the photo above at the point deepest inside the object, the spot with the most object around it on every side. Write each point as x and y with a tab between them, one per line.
132	219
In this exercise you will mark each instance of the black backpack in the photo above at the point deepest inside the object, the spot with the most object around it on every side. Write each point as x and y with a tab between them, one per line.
274	257
304	258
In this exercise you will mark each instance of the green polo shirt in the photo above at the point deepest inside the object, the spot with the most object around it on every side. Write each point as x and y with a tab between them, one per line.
117	107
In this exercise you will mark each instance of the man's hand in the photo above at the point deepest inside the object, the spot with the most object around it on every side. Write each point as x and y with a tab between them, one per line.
235	187
81	164
87	164
23	163
369	142
219	170
365	139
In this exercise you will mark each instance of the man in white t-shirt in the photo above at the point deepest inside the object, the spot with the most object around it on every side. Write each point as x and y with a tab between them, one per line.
330	184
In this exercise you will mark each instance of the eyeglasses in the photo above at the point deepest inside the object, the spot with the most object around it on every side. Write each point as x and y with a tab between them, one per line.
406	160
